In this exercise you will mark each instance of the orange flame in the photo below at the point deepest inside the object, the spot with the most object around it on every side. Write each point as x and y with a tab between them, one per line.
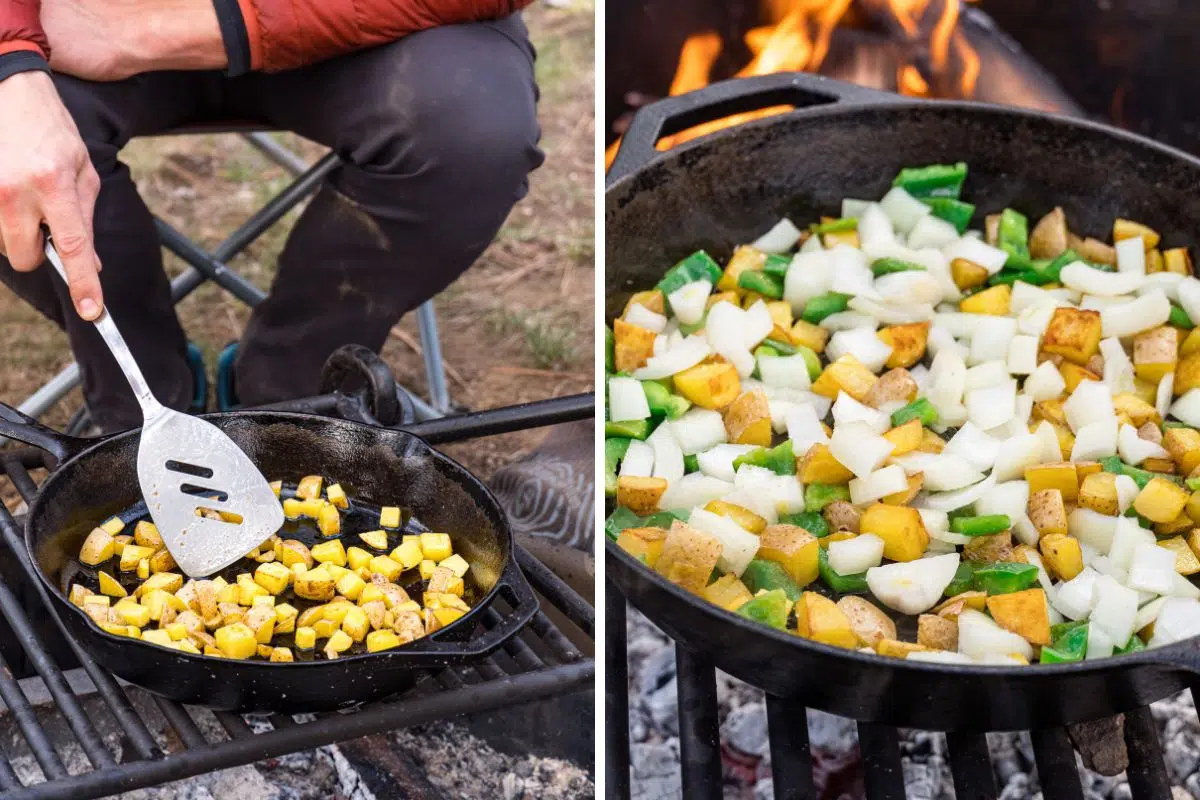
939	60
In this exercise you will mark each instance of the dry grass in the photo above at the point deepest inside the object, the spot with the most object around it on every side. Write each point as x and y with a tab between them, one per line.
516	327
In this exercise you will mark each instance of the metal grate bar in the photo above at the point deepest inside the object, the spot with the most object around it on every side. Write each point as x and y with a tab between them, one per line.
234	725
616	695
882	773
1056	764
505	420
178	718
8	778
521	653
559	644
971	766
557	591
68	704
489	670
699	741
791	761
281	721
27	721
1146	772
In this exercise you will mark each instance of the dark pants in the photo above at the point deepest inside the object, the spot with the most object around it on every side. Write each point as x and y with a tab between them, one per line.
438	132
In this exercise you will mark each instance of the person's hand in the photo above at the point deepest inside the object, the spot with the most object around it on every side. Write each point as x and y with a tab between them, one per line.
45	175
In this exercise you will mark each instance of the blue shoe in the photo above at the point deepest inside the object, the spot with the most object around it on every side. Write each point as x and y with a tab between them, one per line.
227	399
195	359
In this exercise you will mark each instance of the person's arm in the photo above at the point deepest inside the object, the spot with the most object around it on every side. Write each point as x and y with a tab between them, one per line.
23	45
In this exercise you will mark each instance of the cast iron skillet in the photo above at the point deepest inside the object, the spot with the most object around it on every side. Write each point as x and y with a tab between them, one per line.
845	141
96	478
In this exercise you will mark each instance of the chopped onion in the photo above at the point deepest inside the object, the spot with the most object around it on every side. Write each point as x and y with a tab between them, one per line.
940	339
1178	619
904	210
758	324
880	483
846	409
993	406
913	587
862	343
738	545
930	231
718	461
1074	598
626	400
1148	311
811	245
947	380
875	229
986	256
848	321
991	337
804	428
1009	498
638	461
1133	449
726	330
990	373
1148	613
1152	568
858	448
948	537
688	353
1026	295
1162	400
949	501
854	209
698	430
643	317
1168	282
668	457
1034	321
789	372
934	521
781	238
1127	536
694	489
1182	587
979	636
909	288
1095	440
809	275
1187	408
1022	355
1045	383
1127	492
892	314
973	446
689	301
1099	644
1090	402
944	472
1118	369
1051	449
1092	528
1131	255
1087	279
1188	291
852	556
1015	455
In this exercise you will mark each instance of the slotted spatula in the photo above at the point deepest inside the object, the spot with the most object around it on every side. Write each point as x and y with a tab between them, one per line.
186	464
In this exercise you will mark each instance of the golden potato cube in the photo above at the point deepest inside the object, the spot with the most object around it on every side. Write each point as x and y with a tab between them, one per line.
98	548
389	517
1128	229
456	564
355	624
176	630
315	584
814	337
134	614
329	521
336	496
709	385
897	649
645	544
306	638
1161	500
652	299
742	516
163	639
792	547
1155	353
967	274
356	558
846	374
286	615
632	345
931	442
119	543
1073	375
905	438
293	508
1048	512
110	586
1161	465
113	525
381	640
869	623
1024	613
1184	446
143	568
995	301
133	555
1187	373
907	343
325	627
1062	476
1073	334
748	420
77	594
1138	410
261	620
166	581
937	633
230	613
728	592
1186	562
350	586
376	539
1099	493
248	589
688	557
1062	555
903	498
281	655
146	534
162	561
819	466
820	619
382	565
339	642
273	577
444	616
310	616
309	487
228	594
408	553
235	641
992	547
444	581
330	553
744	259
903	533
426	568
953	606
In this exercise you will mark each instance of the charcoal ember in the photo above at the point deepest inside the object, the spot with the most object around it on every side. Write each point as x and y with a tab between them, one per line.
1012	755
1018	787
831	734
662	707
764	789
654	770
1101	744
1179	793
745	730
657	669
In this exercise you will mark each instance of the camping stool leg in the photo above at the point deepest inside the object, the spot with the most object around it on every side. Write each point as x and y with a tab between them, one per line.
263	143
435	371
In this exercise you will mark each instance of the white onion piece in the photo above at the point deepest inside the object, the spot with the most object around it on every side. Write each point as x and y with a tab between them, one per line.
913	587
875	230
694	489
986	256
627	400
859	448
1188	291
1134	450
1011	499
947	380
1187	408
1034	321
1148	311
1182	587
990	373
689	301
979	636
1022	355
1167	282
960	324
811	245
1151	569
892	314
993	406
1026	295
863	344
1127	492
1015	455
1090	402
880	483
1074	598
1131	255
1092	528
974	446
848	321
903	209
1089	280
909	288
1095	440
1118	369
804	428
1127	536
1099	644
1091	302
638	461
856	555
854	209
668	457
718	461
991	337
846	410
940	339
1148	613
699	429
1045	383
790	372
1162	399
688	353
931	231
758	324
810	274
738	545
781	238
1051	449
948	501
643	317
851	272
944	472
1178	619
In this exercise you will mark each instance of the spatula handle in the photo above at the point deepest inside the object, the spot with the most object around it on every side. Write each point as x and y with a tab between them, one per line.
116	343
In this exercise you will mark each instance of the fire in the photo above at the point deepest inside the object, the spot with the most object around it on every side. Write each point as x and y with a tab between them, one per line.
934	57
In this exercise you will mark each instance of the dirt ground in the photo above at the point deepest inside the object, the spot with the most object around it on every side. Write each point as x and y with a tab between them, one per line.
517	327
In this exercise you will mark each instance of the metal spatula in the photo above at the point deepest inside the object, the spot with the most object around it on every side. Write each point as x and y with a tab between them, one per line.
188	468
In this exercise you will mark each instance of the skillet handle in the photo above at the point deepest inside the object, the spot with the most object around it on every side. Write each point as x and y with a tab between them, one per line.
24	428
519	594
726	98
1183	657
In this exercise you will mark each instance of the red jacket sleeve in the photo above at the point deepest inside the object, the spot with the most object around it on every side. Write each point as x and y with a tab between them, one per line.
284	34
20	28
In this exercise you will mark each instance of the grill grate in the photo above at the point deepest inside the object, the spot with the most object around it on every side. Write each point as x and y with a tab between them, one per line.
970	764
540	662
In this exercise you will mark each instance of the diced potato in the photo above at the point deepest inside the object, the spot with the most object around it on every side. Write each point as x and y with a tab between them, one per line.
315	584
355	624
357	558
119	543
652	299
281	655
306	638
133	614
994	301
894	386
748	420
285	618
794	548
1062	555
143	568
1049	410
110	586
1073	334
165	581
1061	476
389	569
261	620
904	535
632	345
456	564
905	438
742	516
994	547
897	649
728	592
96	606
77	594
1161	500
436	546
721	297
381	640
377	614
426	568
931	442
113	525
235	641
744	259
1048	239
1155	353
915	482
1184	446
162	638
1085	468
309	487
1093	249
293	551
1024	613
937	633
98	548
1048	512
443	616
377	539
688	557
846	374
1138	410
840	515
1179	525
408	553
1128	229
811	336
273	577
967	274
336	496
640	495
248	589
1073	375
330	552
146	534
329	521
265	600
819	466
1186	562
1155	262
339	642
1099	493
132	555
952	607
907	343
444	581
820	619
350	585
709	385
389	517
1162	465
1177	260
643	543
1187	373
869	624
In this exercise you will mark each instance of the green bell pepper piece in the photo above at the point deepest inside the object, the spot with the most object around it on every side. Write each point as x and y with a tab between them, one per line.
699	266
770	609
1005	577
811	360
920	409
1134	645
935	180
1141	477
1013	238
779	459
1133	514
610	344
811	521
1052	272
630	429
886	266
777	265
956	212
663	401
1063	628
691	464
762	574
1193	484
819	495
765	284
981	526
614	451
843	225
780	348
842	584
688	329
619	520
1180	318
1070	647
963	580
823	305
